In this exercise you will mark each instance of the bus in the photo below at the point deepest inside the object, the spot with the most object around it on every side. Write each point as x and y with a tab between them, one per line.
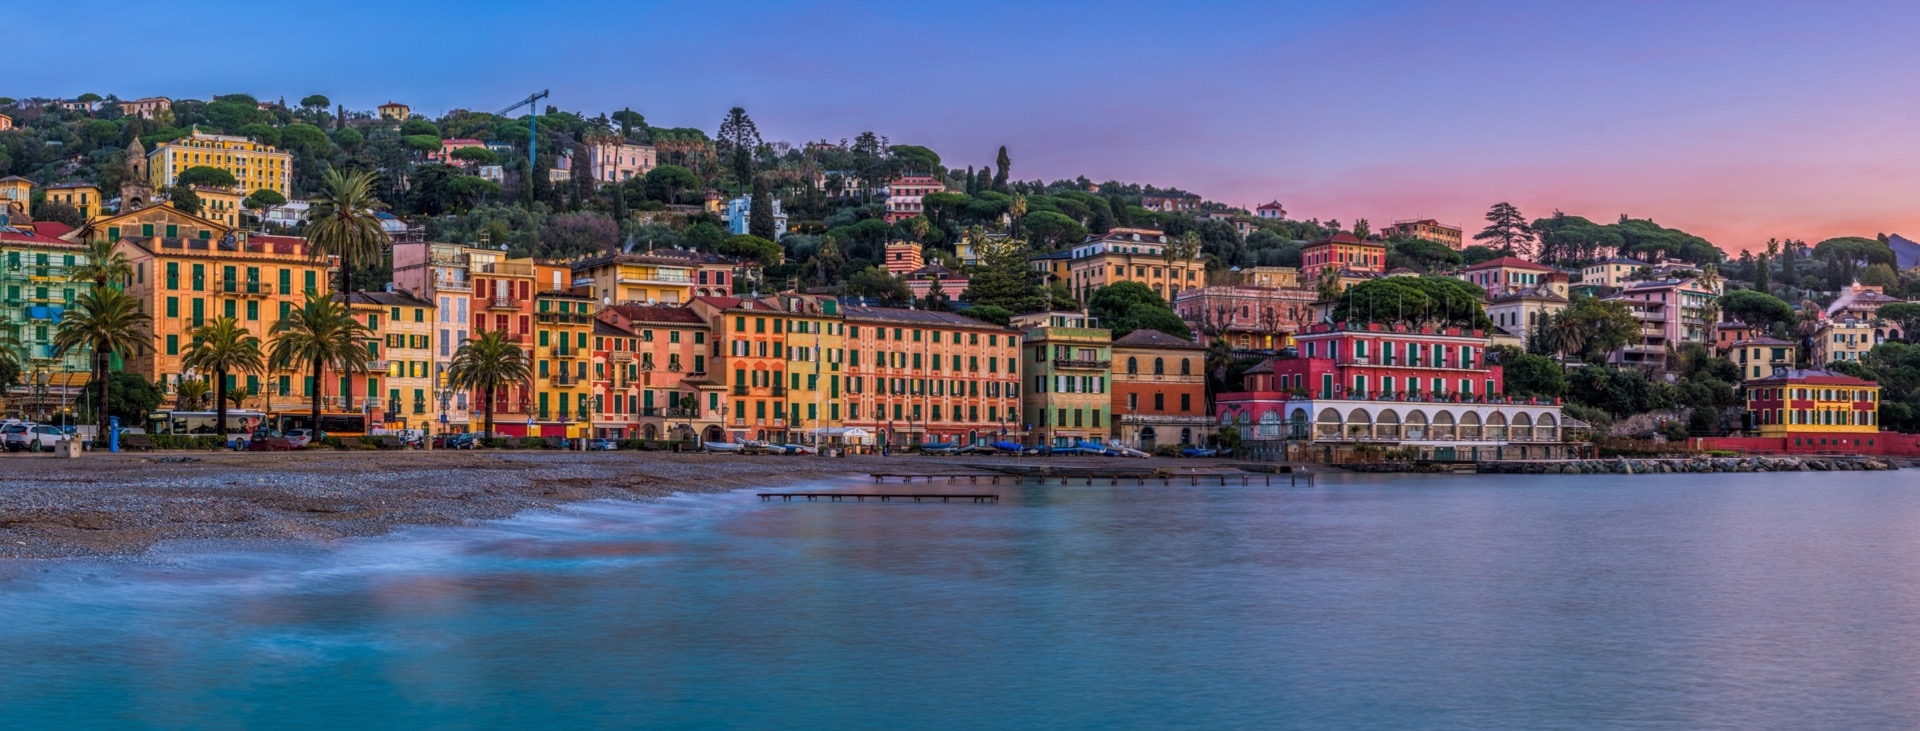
240	423
343	424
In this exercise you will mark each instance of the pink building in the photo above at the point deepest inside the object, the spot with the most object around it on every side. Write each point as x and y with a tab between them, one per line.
1511	274
1671	312
449	145
904	194
1249	317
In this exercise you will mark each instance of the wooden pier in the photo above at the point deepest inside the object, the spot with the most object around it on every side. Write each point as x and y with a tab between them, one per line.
1293	479
788	497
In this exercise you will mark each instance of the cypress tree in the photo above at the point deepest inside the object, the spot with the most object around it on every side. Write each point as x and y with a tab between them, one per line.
760	212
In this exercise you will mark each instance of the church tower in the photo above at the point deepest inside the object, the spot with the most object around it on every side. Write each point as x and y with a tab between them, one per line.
136	188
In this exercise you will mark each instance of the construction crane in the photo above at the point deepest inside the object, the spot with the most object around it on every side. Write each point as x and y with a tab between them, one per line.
533	125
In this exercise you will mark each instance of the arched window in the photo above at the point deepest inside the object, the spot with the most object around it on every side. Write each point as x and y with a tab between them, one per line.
1133	365
1186	367
1159	366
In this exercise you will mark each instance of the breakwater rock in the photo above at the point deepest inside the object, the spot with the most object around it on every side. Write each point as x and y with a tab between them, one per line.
1626	466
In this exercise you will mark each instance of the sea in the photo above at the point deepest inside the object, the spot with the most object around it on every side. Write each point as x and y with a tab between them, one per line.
1700	601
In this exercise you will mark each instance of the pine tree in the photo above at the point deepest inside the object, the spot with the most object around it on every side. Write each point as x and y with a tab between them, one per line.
1003	279
760	212
1507	230
1762	277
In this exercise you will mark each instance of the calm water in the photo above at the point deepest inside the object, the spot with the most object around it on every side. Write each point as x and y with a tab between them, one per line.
1657	602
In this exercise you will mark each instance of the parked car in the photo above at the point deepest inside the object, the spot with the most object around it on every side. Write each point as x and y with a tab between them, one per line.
269	440
300	438
31	437
465	440
602	445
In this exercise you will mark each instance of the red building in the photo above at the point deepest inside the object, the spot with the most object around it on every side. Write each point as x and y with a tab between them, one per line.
1390	386
1159	391
904	194
1345	252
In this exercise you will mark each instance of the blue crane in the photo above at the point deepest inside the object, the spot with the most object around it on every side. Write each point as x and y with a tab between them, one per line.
533	126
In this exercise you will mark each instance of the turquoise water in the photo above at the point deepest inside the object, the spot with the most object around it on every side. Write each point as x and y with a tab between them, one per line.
1650	602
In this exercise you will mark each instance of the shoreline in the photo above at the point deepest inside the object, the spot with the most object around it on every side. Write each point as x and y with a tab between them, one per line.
119	506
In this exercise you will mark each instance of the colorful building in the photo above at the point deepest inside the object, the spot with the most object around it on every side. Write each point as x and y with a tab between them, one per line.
1384	386
1250	317
1271	211
502	300
1805	405
146	108
398	389
614	160
1159	391
83	197
1425	229
916	376
1126	255
647	279
1613	272
254	166
1505	274
1170	202
775	354
1353	257
1842	339
221	205
16	199
1518	310
904	194
901	257
1671	311
1066	366
38	287
1762	357
650	374
563	386
438	273
395	112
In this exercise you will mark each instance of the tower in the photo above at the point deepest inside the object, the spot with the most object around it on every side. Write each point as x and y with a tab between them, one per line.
136	188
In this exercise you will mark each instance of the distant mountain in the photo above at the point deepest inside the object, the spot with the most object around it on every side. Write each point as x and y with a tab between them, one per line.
1906	253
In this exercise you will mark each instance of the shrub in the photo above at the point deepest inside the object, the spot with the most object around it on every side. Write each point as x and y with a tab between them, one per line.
204	442
499	443
330	442
1167	450
532	443
633	444
367	443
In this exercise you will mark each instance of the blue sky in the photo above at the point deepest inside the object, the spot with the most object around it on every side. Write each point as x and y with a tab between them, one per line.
1735	120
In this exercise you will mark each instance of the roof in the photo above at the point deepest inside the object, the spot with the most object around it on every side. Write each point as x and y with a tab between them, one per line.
1814	376
54	229
1345	238
1759	341
602	327
461	141
736	303
1535	293
654	258
385	299
916	317
11	234
1266	206
1144	338
1510	262
65	186
663	314
1619	260
1054	255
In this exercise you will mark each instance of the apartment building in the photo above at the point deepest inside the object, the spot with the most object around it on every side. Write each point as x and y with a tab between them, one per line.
916	377
254	166
1159	391
1067	369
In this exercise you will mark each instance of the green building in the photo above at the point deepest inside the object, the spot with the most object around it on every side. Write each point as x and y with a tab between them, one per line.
1067	363
36	289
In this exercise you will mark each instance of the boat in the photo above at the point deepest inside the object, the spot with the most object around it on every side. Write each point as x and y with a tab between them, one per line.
722	446
1198	452
1014	447
1119	451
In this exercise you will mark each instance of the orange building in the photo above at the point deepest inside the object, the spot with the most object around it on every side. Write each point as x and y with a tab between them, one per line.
915	376
780	359
503	300
1159	390
650	374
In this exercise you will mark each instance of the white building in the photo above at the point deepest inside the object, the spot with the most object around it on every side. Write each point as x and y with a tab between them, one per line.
740	215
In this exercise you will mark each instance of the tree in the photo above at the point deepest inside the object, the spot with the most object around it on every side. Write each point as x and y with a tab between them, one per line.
1507	230
1594	328
421	127
738	139
705	236
760	212
184	199
108	321
476	155
1756	308
1762	272
575	234
1529	375
1052	230
880	284
262	200
486	364
1002	279
341	223
1421	255
1002	164
265	134
989	313
1362	230
1124	307
104	263
222	347
316	101
318	334
49	209
665	183
190	394
1475	254
748	246
126	395
1426	301
1906	314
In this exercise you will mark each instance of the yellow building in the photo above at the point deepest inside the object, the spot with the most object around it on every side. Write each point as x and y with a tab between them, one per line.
778	368
562	357
395	111
400	381
220	205
635	279
254	166
1842	339
1613	272
1759	357
816	355
84	197
1129	255
186	273
16	197
1813	401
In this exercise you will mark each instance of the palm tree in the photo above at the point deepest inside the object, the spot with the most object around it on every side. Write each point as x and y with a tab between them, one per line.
318	334
222	347
1016	210
190	394
1328	285
108	321
1568	334
105	264
341	223
488	363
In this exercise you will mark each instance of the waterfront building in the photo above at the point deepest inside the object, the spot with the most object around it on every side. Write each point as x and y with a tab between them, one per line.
1762	357
1814	408
615	160
642	279
253	165
1250	317
1066	369
438	273
502	299
758	345
1124	255
38	288
397	389
905	192
915	376
83	197
650	374
1356	387
1842	339
188	270
1425	229
1671	311
1505	274
1159	391
1613	272
1354	258
563	328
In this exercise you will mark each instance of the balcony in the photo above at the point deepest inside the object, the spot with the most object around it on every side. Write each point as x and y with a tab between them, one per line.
452	285
779	390
739	390
376	366
563	380
244	288
563	351
562	318
503	303
1080	364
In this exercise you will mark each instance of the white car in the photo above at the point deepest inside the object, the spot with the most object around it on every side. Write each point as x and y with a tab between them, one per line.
31	437
299	438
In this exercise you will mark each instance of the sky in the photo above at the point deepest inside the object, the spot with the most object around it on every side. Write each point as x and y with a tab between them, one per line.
1737	121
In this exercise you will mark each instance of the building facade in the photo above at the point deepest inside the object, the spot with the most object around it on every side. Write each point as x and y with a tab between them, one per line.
1613	271
1805	406
1067	369
650	364
904	196
916	377
254	166
39	287
83	197
1159	391
1342	251
1671	311
1425	229
617	160
1248	316
1508	274
398	388
1170	202
1842	339
1127	255
1762	357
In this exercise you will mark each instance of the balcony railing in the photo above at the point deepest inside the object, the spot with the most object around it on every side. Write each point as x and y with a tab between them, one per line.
563	379
739	390
562	318
242	287
1081	363
563	351
503	303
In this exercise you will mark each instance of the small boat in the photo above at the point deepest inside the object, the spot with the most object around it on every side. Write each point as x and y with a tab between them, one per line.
1119	451
1198	452
1014	447
800	449
722	446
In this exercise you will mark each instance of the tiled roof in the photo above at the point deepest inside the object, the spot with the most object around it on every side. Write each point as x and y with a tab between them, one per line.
1155	339
916	317
21	235
386	299
736	303
54	229
1813	376
602	327
658	313
1509	262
